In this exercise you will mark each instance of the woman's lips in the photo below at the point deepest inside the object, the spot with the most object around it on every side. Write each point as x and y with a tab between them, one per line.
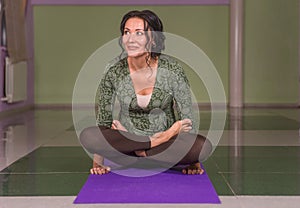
132	48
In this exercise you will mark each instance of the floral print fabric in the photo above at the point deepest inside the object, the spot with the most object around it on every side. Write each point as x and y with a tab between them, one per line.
170	100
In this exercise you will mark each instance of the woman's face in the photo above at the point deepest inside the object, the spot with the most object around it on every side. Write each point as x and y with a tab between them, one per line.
134	37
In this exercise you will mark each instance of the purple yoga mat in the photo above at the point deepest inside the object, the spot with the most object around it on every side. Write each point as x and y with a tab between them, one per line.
167	187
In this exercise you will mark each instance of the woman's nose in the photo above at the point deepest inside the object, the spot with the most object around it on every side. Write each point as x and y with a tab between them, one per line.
131	38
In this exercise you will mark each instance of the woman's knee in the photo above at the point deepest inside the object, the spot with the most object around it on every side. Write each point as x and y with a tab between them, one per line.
206	150
88	136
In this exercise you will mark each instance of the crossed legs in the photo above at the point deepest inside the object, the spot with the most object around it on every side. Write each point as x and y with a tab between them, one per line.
105	141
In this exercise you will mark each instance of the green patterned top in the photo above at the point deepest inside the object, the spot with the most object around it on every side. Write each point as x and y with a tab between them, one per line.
170	100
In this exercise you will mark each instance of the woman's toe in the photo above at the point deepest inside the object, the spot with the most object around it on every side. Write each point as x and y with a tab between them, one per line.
93	171
96	171
100	171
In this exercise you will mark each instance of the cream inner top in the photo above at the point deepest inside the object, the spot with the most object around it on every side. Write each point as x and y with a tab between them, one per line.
143	100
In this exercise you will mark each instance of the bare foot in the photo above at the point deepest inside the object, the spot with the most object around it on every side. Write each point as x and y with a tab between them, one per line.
141	153
193	169
98	167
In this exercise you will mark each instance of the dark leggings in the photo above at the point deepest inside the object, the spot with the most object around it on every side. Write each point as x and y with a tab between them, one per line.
115	145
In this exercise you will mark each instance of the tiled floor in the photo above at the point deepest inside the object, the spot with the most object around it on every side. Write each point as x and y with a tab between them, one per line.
256	163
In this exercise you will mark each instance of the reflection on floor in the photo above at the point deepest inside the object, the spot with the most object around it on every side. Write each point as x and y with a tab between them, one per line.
257	159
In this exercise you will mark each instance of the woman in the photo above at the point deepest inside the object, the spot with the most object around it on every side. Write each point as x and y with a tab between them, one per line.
155	101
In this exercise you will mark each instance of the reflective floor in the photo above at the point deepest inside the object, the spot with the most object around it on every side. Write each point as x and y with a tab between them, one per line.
255	164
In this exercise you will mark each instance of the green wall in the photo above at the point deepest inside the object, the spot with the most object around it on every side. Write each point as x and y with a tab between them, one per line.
65	36
271	51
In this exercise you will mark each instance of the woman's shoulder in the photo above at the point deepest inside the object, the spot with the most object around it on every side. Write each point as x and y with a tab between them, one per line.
167	59
116	67
117	63
170	63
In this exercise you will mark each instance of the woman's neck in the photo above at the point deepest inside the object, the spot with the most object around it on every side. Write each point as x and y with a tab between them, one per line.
138	63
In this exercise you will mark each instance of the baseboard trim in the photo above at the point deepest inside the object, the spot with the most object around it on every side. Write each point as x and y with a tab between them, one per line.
271	105
52	106
16	111
63	106
206	106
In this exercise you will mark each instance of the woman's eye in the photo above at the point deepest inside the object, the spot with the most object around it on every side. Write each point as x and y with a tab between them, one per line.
139	33
126	32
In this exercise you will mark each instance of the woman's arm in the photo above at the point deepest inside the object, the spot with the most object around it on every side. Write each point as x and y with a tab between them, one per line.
105	100
182	94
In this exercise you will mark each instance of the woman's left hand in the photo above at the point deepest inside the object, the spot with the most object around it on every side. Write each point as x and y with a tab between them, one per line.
186	125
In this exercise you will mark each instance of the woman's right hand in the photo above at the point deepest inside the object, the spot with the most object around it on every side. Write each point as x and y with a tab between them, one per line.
118	126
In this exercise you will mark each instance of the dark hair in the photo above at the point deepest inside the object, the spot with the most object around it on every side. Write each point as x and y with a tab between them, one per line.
152	23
